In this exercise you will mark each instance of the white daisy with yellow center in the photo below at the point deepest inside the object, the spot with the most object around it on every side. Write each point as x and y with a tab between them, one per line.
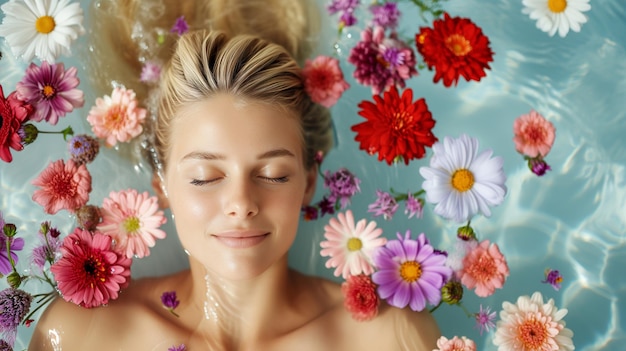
41	28
462	182
557	15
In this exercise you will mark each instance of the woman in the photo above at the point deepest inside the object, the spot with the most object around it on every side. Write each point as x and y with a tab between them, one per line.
235	139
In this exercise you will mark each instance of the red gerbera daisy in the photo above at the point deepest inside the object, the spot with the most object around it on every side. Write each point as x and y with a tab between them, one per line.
396	126
13	113
455	47
90	273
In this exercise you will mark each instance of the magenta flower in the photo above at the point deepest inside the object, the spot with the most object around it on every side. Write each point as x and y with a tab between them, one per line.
554	278
180	26
385	15
343	185
170	301
346	8
385	205
485	319
51	90
410	272
538	166
414	206
15	244
180	347
150	72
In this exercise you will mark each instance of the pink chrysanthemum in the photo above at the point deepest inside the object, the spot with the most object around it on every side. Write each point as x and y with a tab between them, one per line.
14	113
117	117
133	221
360	298
534	135
51	90
63	186
90	273
484	268
323	80
350	246
455	344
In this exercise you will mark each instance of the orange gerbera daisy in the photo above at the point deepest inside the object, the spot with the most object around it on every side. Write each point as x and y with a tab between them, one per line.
455	47
396	127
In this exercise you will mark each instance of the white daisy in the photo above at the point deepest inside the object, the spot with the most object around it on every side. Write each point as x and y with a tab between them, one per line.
462	182
553	15
42	28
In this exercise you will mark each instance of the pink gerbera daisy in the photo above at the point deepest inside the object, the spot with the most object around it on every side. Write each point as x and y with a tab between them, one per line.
323	80
63	186
117	117
534	135
51	90
350	246
484	268
455	344
90	273
133	221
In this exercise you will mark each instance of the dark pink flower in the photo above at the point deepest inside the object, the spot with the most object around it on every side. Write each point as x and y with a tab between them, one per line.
554	278
323	80
360	298
181	27
62	186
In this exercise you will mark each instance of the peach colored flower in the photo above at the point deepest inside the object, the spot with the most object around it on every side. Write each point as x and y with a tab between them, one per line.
455	344
323	80
360	298
117	117
484	268
133	221
63	186
534	135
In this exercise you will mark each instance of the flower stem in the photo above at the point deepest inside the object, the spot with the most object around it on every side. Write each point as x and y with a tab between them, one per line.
436	307
66	132
44	301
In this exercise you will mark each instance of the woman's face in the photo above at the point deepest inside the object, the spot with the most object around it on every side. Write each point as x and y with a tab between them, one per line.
236	182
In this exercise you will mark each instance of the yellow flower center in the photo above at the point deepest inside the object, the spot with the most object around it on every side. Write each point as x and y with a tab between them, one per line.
462	180
458	45
48	91
131	224
532	334
354	244
410	271
557	6
421	38
45	24
95	270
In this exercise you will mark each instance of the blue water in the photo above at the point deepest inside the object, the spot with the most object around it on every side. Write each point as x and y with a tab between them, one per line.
572	219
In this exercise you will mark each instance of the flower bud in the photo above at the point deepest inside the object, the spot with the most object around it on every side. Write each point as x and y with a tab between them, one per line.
88	217
14	279
466	233
452	292
9	230
29	133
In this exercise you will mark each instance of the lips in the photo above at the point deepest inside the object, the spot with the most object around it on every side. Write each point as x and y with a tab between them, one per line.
240	239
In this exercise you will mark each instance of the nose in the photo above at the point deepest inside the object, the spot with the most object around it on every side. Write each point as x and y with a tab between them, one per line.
240	199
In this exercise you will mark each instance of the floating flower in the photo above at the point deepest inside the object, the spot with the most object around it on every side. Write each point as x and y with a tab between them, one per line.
484	319
180	26
150	72
14	113
51	90
62	186
170	301
310	213
88	217
14	306
538	166
90	273
385	15
180	347
484	269
414	206
349	246
534	135
461	181
455	47
410	272
557	15
117	117
346	7
554	278
531	324
133	221
455	344
15	244
83	148
452	292
342	185
42	28
360	298
48	248
323	80
385	205
395	127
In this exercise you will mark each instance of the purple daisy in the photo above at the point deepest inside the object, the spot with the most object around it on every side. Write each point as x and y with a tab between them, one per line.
484	319
51	90
385	205
410	272
16	244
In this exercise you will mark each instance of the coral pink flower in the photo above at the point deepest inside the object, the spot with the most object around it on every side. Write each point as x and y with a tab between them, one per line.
63	186
323	80
484	268
360	297
90	273
14	113
455	344
133	221
117	117
534	135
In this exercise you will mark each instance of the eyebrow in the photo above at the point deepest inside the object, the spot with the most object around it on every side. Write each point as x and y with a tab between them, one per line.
211	156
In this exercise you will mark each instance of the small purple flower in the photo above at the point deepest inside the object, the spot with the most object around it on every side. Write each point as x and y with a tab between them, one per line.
170	301
16	244
14	304
310	213
83	148
343	185
385	15
48	250
326	206
385	205
342	5
4	346
410	272
347	19
394	56
181	27
180	347
414	206
150	72
484	319
554	278
538	166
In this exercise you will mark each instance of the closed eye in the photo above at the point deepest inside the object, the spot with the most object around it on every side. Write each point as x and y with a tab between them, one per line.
276	180
200	182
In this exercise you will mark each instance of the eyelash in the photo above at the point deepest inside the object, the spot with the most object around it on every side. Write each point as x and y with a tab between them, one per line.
200	182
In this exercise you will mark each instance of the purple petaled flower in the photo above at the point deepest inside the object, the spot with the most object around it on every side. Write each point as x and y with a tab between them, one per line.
15	244
181	27
347	19
414	206
554	278
48	248
4	346
343	185
342	5
410	272
394	56
385	15
180	347
310	213
150	72
83	148
484	319
14	305
326	206
538	166
51	90
385	205
170	301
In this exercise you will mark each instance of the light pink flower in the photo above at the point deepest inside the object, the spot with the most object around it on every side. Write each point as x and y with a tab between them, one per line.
63	186
349	246
150	72
534	135
484	268
133	221
455	344
323	80
117	117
